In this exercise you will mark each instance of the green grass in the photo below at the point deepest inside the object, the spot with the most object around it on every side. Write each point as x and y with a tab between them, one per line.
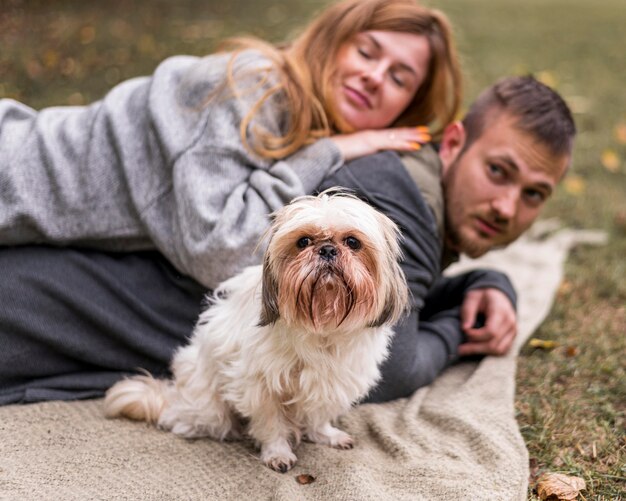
570	401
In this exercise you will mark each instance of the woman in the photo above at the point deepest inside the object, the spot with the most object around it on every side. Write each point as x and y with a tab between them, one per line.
190	162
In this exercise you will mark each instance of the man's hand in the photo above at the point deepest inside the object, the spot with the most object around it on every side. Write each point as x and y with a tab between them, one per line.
496	336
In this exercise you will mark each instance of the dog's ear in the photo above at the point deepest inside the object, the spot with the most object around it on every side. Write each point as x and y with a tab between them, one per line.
397	300
384	316
397	292
269	296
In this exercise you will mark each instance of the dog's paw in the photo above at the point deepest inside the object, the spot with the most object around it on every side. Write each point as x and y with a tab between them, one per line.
278	457
344	442
329	435
281	464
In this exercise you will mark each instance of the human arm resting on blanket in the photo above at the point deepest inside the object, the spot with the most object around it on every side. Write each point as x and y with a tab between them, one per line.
487	315
430	338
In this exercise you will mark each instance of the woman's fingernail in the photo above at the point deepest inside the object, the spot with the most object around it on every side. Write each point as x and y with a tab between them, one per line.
423	128
415	145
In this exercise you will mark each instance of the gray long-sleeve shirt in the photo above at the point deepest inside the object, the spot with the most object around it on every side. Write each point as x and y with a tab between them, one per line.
152	165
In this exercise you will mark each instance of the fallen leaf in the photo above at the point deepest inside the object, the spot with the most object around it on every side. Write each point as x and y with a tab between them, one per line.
610	160
572	351
559	487
565	288
543	344
305	479
574	185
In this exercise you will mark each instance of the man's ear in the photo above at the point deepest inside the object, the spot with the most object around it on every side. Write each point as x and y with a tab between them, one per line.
451	144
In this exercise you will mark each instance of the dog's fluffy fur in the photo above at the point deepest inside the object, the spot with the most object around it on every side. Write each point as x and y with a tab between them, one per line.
288	346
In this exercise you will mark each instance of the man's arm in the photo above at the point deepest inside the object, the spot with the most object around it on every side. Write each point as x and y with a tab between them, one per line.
487	309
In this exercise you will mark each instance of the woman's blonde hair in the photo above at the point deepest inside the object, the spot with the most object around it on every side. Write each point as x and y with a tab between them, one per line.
307	67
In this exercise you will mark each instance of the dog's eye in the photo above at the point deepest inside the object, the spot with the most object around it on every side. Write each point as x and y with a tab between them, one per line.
353	243
303	242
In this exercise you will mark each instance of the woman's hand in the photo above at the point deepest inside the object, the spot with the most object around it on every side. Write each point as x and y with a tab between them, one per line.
366	142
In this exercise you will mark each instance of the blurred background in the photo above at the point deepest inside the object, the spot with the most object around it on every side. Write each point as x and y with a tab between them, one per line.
571	397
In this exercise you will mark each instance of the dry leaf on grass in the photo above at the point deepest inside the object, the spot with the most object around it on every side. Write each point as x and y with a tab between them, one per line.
543	344
305	479
610	160
559	487
574	185
565	288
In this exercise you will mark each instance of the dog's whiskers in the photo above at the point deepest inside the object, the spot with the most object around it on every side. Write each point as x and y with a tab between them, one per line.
301	284
350	305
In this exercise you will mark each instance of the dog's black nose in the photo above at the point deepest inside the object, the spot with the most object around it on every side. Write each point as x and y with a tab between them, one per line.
328	252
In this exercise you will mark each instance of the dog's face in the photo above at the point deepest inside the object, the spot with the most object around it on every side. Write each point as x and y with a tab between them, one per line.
332	263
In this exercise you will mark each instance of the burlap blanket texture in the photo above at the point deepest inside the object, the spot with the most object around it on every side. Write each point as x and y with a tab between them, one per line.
454	440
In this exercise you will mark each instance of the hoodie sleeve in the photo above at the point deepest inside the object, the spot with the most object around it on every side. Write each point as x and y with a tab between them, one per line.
157	163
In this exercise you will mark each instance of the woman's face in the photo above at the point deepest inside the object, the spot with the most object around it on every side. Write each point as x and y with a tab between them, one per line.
378	74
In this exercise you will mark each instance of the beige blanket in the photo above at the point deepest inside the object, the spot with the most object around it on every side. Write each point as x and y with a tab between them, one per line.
456	439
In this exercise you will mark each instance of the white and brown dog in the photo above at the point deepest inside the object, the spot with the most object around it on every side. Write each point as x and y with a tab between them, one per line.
290	345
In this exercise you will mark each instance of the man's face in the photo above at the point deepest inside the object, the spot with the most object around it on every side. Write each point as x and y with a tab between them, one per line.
496	188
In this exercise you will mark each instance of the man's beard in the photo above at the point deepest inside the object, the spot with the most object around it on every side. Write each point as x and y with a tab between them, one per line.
471	245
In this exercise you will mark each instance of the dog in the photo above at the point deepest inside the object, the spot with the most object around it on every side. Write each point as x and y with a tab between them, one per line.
290	345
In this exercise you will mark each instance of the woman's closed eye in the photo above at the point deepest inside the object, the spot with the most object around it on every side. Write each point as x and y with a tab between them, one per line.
397	78
365	53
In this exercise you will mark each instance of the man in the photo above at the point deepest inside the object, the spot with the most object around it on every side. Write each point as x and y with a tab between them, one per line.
484	186
497	169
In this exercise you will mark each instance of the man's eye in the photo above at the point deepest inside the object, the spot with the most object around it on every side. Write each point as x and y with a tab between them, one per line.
303	242
353	243
535	197
496	171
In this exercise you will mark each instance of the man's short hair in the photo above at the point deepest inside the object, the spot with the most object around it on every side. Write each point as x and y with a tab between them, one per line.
535	108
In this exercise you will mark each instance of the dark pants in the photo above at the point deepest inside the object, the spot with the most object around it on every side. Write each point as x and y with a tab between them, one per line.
73	322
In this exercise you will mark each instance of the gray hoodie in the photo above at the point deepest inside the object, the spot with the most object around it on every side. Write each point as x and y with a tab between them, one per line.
153	166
